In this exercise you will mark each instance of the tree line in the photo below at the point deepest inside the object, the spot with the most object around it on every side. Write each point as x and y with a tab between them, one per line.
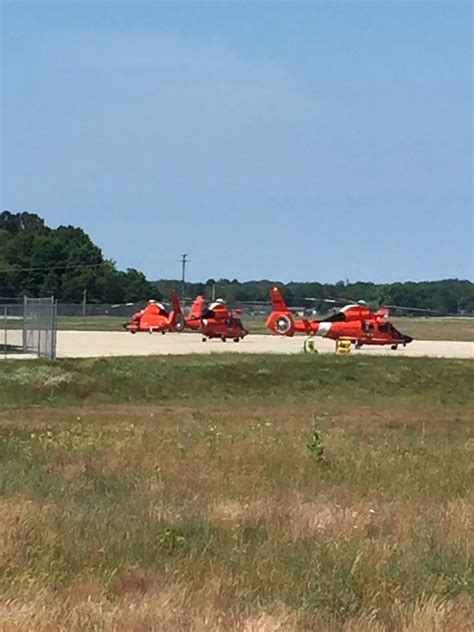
450	296
63	262
41	261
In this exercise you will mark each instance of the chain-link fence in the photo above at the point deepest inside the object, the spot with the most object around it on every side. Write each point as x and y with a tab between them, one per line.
11	329
40	326
98	309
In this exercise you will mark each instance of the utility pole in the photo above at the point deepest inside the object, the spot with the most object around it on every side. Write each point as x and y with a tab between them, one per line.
84	302
183	275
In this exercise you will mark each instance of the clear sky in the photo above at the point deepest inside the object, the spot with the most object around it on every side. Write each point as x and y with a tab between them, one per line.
284	140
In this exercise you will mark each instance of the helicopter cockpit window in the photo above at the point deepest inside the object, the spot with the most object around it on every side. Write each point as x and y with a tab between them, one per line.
394	331
383	328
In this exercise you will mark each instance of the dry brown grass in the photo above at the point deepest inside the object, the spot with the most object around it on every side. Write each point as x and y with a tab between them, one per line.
168	610
126	518
16	528
297	517
457	523
437	328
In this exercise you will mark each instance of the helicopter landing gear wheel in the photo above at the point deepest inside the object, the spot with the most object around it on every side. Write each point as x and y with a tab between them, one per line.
236	339
394	347
358	344
223	338
179	322
204	338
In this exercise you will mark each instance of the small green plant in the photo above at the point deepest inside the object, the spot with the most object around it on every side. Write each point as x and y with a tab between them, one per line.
315	446
171	539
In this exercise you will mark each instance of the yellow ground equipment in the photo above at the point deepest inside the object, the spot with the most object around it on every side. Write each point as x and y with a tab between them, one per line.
309	347
343	345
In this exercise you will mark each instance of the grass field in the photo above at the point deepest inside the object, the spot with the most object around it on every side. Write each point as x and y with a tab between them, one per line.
419	328
91	323
237	494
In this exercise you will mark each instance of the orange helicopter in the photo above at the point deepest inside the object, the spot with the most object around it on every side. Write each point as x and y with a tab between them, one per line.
215	321
156	318
354	321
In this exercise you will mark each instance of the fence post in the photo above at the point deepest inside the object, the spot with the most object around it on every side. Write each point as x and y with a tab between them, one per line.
5	342
54	325
25	341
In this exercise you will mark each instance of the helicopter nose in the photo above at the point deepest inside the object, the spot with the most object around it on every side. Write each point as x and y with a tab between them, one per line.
407	339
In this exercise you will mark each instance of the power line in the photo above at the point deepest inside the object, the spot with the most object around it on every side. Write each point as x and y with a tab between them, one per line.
82	265
63	267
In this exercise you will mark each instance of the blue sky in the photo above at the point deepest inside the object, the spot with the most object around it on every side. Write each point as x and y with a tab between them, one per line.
284	140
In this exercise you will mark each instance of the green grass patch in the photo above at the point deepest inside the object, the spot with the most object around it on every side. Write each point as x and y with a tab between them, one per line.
172	494
243	379
91	323
326	492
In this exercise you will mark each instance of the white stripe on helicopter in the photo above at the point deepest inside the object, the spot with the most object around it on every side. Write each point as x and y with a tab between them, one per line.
323	329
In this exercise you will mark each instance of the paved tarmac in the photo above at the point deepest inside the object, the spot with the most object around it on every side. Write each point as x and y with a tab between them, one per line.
86	344
83	344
